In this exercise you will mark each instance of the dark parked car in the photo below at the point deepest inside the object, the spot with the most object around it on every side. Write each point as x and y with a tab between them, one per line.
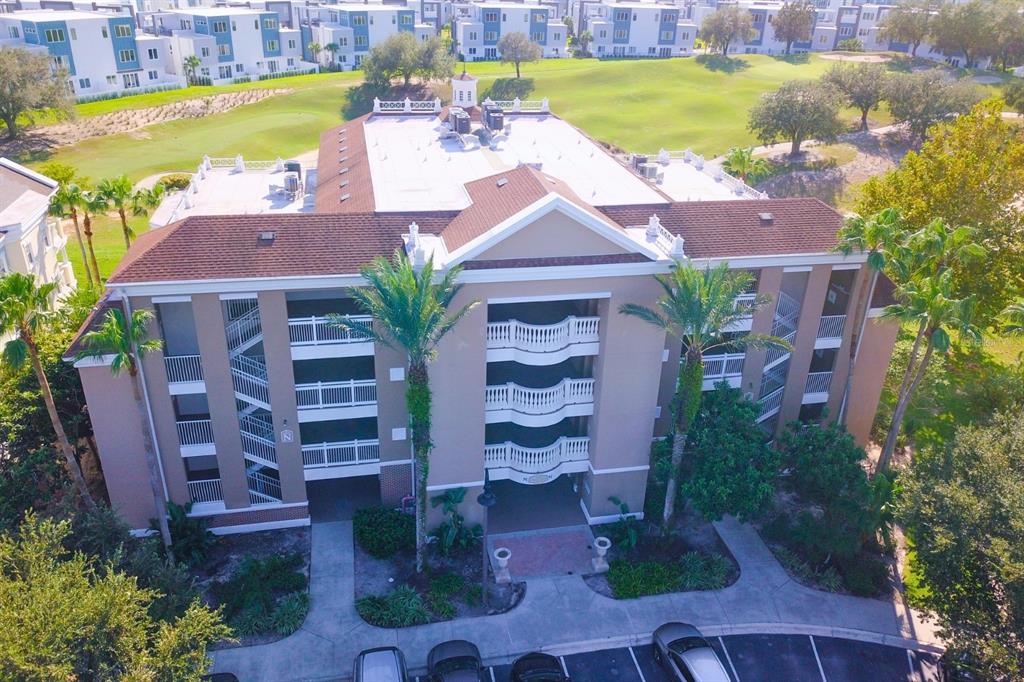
455	661
687	657
386	664
538	667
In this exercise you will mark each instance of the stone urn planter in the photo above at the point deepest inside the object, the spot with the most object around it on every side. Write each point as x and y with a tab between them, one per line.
501	572
601	547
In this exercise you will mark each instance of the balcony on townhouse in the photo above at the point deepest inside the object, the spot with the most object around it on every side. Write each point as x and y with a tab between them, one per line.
202	479
819	376
835	309
193	425
335	388
313	336
536	455
339	448
182	362
542	333
538	396
723	365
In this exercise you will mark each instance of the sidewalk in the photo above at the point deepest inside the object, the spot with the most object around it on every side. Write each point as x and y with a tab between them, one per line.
563	615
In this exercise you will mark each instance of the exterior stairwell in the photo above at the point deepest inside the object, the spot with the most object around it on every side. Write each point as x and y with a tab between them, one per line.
773	379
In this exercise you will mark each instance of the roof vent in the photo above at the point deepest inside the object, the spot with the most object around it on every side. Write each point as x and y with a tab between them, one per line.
344	197
766	219
265	238
502	182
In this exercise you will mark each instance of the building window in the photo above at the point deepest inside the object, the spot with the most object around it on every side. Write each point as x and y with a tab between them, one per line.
55	35
122	31
490	35
30	30
650	50
224	72
291	61
540	18
111	80
343	42
537	36
632	49
291	44
13	31
131	80
621	33
621	15
862	32
666	35
270	24
557	36
360	41
472	50
153	75
74	33
668	18
472	35
234	26
239	68
490	16
868	16
204	51
272	46
58	61
153	53
405	20
220	27
84	83
685	35
359	20
602	33
126	56
224	50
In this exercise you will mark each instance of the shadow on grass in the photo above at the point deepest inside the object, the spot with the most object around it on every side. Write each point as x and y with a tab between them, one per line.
719	62
359	98
794	58
510	88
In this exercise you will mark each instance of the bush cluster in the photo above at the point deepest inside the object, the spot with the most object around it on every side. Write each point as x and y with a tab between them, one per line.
265	595
175	181
383	532
398	609
691	571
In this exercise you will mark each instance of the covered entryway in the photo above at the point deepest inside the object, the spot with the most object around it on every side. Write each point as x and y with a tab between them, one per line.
338	499
534	507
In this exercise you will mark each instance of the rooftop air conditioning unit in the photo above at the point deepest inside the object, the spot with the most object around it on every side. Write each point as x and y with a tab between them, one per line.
649	170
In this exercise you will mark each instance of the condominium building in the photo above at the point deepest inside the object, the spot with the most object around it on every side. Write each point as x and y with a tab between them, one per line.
258	404
100	51
479	27
346	33
30	241
636	29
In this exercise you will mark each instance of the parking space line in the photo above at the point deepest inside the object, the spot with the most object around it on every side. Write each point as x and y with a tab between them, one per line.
561	659
637	664
728	659
915	674
817	658
491	669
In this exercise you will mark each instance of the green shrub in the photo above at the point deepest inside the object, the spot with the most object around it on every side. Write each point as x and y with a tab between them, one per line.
864	575
191	539
175	181
291	612
383	532
447	584
398	609
453	533
473	595
250	597
703	571
629	580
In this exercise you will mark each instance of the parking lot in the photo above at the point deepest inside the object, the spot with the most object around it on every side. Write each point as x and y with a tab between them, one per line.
762	658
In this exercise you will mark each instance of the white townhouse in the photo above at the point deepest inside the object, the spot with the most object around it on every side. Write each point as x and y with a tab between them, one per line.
31	242
232	43
480	26
101	51
869	19
347	32
637	29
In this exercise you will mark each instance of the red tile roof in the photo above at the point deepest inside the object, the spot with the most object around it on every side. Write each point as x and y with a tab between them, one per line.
343	182
730	229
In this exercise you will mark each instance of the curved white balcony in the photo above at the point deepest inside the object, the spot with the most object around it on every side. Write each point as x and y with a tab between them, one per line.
539	406
537	465
542	344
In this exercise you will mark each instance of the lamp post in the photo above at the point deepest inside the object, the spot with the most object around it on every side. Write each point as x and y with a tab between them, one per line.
486	499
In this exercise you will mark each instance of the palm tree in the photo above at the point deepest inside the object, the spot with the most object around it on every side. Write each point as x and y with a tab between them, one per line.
92	203
123	340
925	291
23	307
191	65
740	161
145	200
1013	318
314	49
65	202
412	313
333	49
697	308
120	194
879	236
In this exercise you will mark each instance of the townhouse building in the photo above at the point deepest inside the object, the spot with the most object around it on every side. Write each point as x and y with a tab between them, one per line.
354	29
258	404
637	29
101	52
479	27
31	242
230	42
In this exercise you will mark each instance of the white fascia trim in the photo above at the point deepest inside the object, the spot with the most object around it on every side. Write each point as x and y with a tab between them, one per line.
549	297
617	470
102	361
172	299
395	462
254	527
246	286
237	296
607	518
450	486
245	510
27	172
846	266
797	268
537	210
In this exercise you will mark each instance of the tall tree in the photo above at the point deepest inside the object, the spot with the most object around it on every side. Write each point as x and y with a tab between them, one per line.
697	307
517	48
146	199
92	203
861	85
412	313
908	22
794	22
971	172
65	202
190	65
1007	46
920	100
123	339
963	29
435	61
23	307
797	111
926	299
1013	95
315	49
119	192
726	25
962	503
29	83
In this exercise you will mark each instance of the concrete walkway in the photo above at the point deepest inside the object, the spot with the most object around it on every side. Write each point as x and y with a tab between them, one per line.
561	614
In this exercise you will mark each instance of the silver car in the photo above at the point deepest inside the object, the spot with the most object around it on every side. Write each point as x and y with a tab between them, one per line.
386	664
684	653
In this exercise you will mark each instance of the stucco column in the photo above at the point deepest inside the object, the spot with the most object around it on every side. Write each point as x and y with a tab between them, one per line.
220	395
389	370
281	381
803	344
769	283
842	365
876	350
162	409
670	357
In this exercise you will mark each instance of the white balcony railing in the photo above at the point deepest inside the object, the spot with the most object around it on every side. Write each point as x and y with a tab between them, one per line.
195	432
777	353
336	393
831	326
724	365
818	382
182	368
258	440
744	302
341	453
205	491
770	403
244	331
317	330
536	460
538	401
543	338
263	489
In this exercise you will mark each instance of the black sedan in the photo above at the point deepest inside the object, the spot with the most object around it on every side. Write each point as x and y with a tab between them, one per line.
538	667
456	661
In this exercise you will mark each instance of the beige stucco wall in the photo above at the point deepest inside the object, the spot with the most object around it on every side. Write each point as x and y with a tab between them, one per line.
869	376
769	283
391	412
551	236
803	345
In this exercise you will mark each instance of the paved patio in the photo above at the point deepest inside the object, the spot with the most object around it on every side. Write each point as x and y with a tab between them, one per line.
552	552
561	614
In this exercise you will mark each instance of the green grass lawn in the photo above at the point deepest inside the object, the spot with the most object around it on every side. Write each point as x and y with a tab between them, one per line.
107	241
